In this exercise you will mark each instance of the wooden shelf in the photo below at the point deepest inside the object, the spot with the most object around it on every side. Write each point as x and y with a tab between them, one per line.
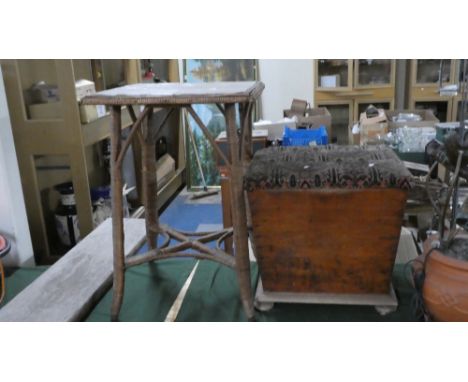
98	130
429	92
61	139
67	140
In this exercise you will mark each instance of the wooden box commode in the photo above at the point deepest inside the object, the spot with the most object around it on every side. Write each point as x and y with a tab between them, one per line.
326	222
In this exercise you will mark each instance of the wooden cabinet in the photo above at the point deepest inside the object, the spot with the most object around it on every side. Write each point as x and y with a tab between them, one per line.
374	74
457	107
359	84
426	76
54	146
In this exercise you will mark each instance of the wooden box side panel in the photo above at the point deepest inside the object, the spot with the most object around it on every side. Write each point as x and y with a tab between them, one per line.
331	241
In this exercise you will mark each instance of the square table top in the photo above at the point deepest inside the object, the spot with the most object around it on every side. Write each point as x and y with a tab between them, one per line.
174	93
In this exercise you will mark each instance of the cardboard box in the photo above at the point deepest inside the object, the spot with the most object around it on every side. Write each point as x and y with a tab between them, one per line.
45	110
314	118
372	129
259	141
332	81
84	88
89	113
428	119
165	170
275	129
298	106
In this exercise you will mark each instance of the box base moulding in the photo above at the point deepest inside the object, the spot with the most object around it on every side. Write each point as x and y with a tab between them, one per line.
383	303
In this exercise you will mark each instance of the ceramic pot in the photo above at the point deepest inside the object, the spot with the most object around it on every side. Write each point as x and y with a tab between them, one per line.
445	290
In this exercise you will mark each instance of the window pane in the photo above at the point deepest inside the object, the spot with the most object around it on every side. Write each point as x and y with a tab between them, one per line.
333	73
200	70
428	71
374	72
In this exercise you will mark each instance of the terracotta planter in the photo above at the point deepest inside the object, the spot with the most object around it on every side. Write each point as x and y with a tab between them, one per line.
445	290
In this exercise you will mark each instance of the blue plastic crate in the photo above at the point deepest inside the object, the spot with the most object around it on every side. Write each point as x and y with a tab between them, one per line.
293	137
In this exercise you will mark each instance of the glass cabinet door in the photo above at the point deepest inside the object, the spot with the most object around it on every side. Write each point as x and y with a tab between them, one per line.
460	70
373	72
439	108
458	114
340	122
333	74
427	71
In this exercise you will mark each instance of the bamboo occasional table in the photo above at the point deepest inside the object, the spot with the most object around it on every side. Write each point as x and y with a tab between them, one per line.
173	96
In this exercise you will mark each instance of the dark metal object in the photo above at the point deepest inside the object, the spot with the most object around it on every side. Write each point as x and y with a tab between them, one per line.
464	91
453	154
200	168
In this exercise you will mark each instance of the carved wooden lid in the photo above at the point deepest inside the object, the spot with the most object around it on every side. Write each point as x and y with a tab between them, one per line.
326	167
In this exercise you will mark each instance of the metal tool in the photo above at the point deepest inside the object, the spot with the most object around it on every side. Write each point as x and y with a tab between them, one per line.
205	192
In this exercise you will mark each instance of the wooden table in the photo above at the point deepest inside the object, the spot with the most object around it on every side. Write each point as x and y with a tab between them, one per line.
173	96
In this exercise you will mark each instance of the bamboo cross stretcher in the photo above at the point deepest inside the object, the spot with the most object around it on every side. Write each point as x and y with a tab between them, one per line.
172	96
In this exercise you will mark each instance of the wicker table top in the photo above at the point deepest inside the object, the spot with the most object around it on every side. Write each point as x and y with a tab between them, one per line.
178	93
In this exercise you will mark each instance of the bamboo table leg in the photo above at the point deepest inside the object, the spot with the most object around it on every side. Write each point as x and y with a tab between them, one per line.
226	206
117	214
150	183
239	215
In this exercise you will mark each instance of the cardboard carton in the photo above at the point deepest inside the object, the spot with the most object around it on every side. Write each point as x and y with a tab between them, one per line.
84	88
89	113
313	117
373	129
259	141
275	129
428	119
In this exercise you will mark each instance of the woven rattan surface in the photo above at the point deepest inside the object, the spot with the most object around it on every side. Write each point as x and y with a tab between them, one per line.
178	93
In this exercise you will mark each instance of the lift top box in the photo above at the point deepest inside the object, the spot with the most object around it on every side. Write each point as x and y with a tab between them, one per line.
326	219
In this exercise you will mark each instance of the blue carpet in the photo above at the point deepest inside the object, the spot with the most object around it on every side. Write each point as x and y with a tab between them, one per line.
188	216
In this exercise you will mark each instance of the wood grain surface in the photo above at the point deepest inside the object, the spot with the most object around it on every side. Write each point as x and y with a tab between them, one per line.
334	241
